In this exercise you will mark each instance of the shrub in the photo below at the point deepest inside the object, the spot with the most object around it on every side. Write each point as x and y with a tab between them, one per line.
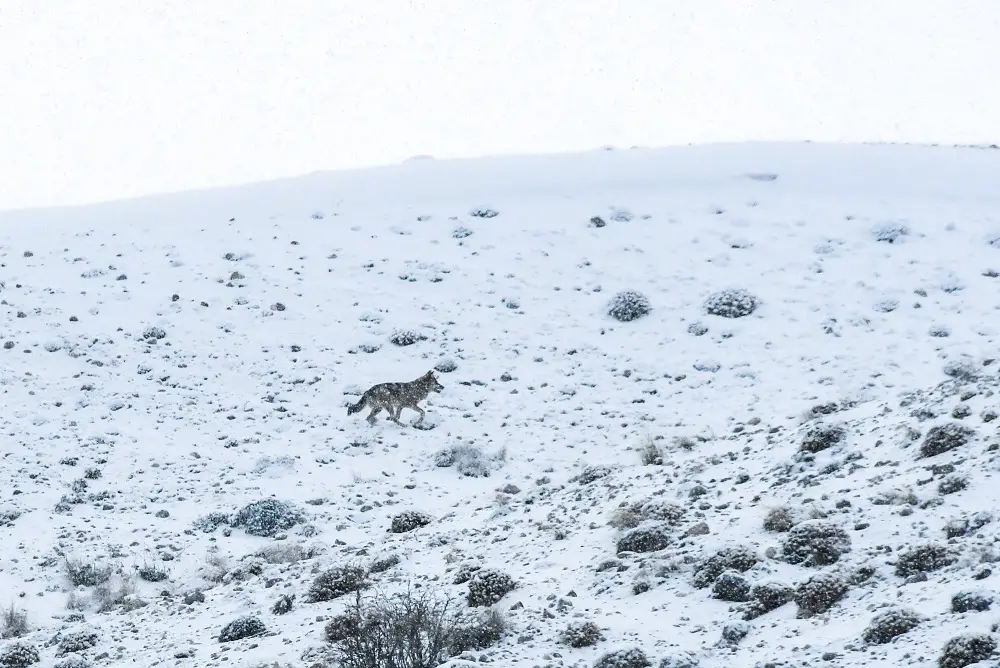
13	622
971	601
952	484
87	574
247	626
649	538
479	633
468	460
487	586
335	582
650	453
890	233
739	559
967	649
77	641
783	518
581	634
116	591
405	337
822	437
819	593
484	212
924	559
153	573
815	543
944	438
408	520
734	632
628	305
73	661
267	517
283	605
887	625
591	474
407	630
731	303
19	655
624	658
383	564
211	522
731	586
766	597
681	660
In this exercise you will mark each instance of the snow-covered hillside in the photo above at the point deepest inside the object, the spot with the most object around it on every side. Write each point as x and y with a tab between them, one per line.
831	452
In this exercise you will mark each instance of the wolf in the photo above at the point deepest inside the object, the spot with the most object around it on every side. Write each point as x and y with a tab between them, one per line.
394	397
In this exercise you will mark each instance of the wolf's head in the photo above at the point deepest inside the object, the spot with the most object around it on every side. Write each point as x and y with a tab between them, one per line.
431	381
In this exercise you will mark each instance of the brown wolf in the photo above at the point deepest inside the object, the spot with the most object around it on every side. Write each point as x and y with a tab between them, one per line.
394	397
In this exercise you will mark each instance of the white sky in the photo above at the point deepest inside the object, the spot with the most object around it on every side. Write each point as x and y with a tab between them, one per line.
102	99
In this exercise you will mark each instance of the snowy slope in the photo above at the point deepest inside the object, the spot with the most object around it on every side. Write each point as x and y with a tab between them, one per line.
875	270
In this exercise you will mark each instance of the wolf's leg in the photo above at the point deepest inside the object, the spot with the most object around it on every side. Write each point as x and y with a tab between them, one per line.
371	416
420	410
394	416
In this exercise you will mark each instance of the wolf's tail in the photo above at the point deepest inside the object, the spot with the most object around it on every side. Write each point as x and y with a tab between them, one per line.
356	408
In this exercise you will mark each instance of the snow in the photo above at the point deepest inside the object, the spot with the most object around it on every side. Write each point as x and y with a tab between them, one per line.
244	396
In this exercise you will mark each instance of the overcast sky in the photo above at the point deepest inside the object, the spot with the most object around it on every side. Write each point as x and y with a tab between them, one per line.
104	99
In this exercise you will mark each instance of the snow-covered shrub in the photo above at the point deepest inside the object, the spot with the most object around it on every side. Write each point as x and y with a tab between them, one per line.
731	586
242	627
154	333
283	605
783	518
738	558
734	632
648	538
341	627
461	232
481	632
464	573
819	593
383	564
267	517
210	522
945	438
153	573
632	515
680	660
972	601
445	366
924	559
890	233
581	634
815	543
408	520
767	596
891	623
13	622
632	657
335	582
953	484
628	305
405	337
822	437
77	641
86	573
965	650
19	655
469	460
963	368
487	586
484	212
73	661
731	303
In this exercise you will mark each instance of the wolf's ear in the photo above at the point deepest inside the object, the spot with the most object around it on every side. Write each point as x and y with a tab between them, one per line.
429	374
